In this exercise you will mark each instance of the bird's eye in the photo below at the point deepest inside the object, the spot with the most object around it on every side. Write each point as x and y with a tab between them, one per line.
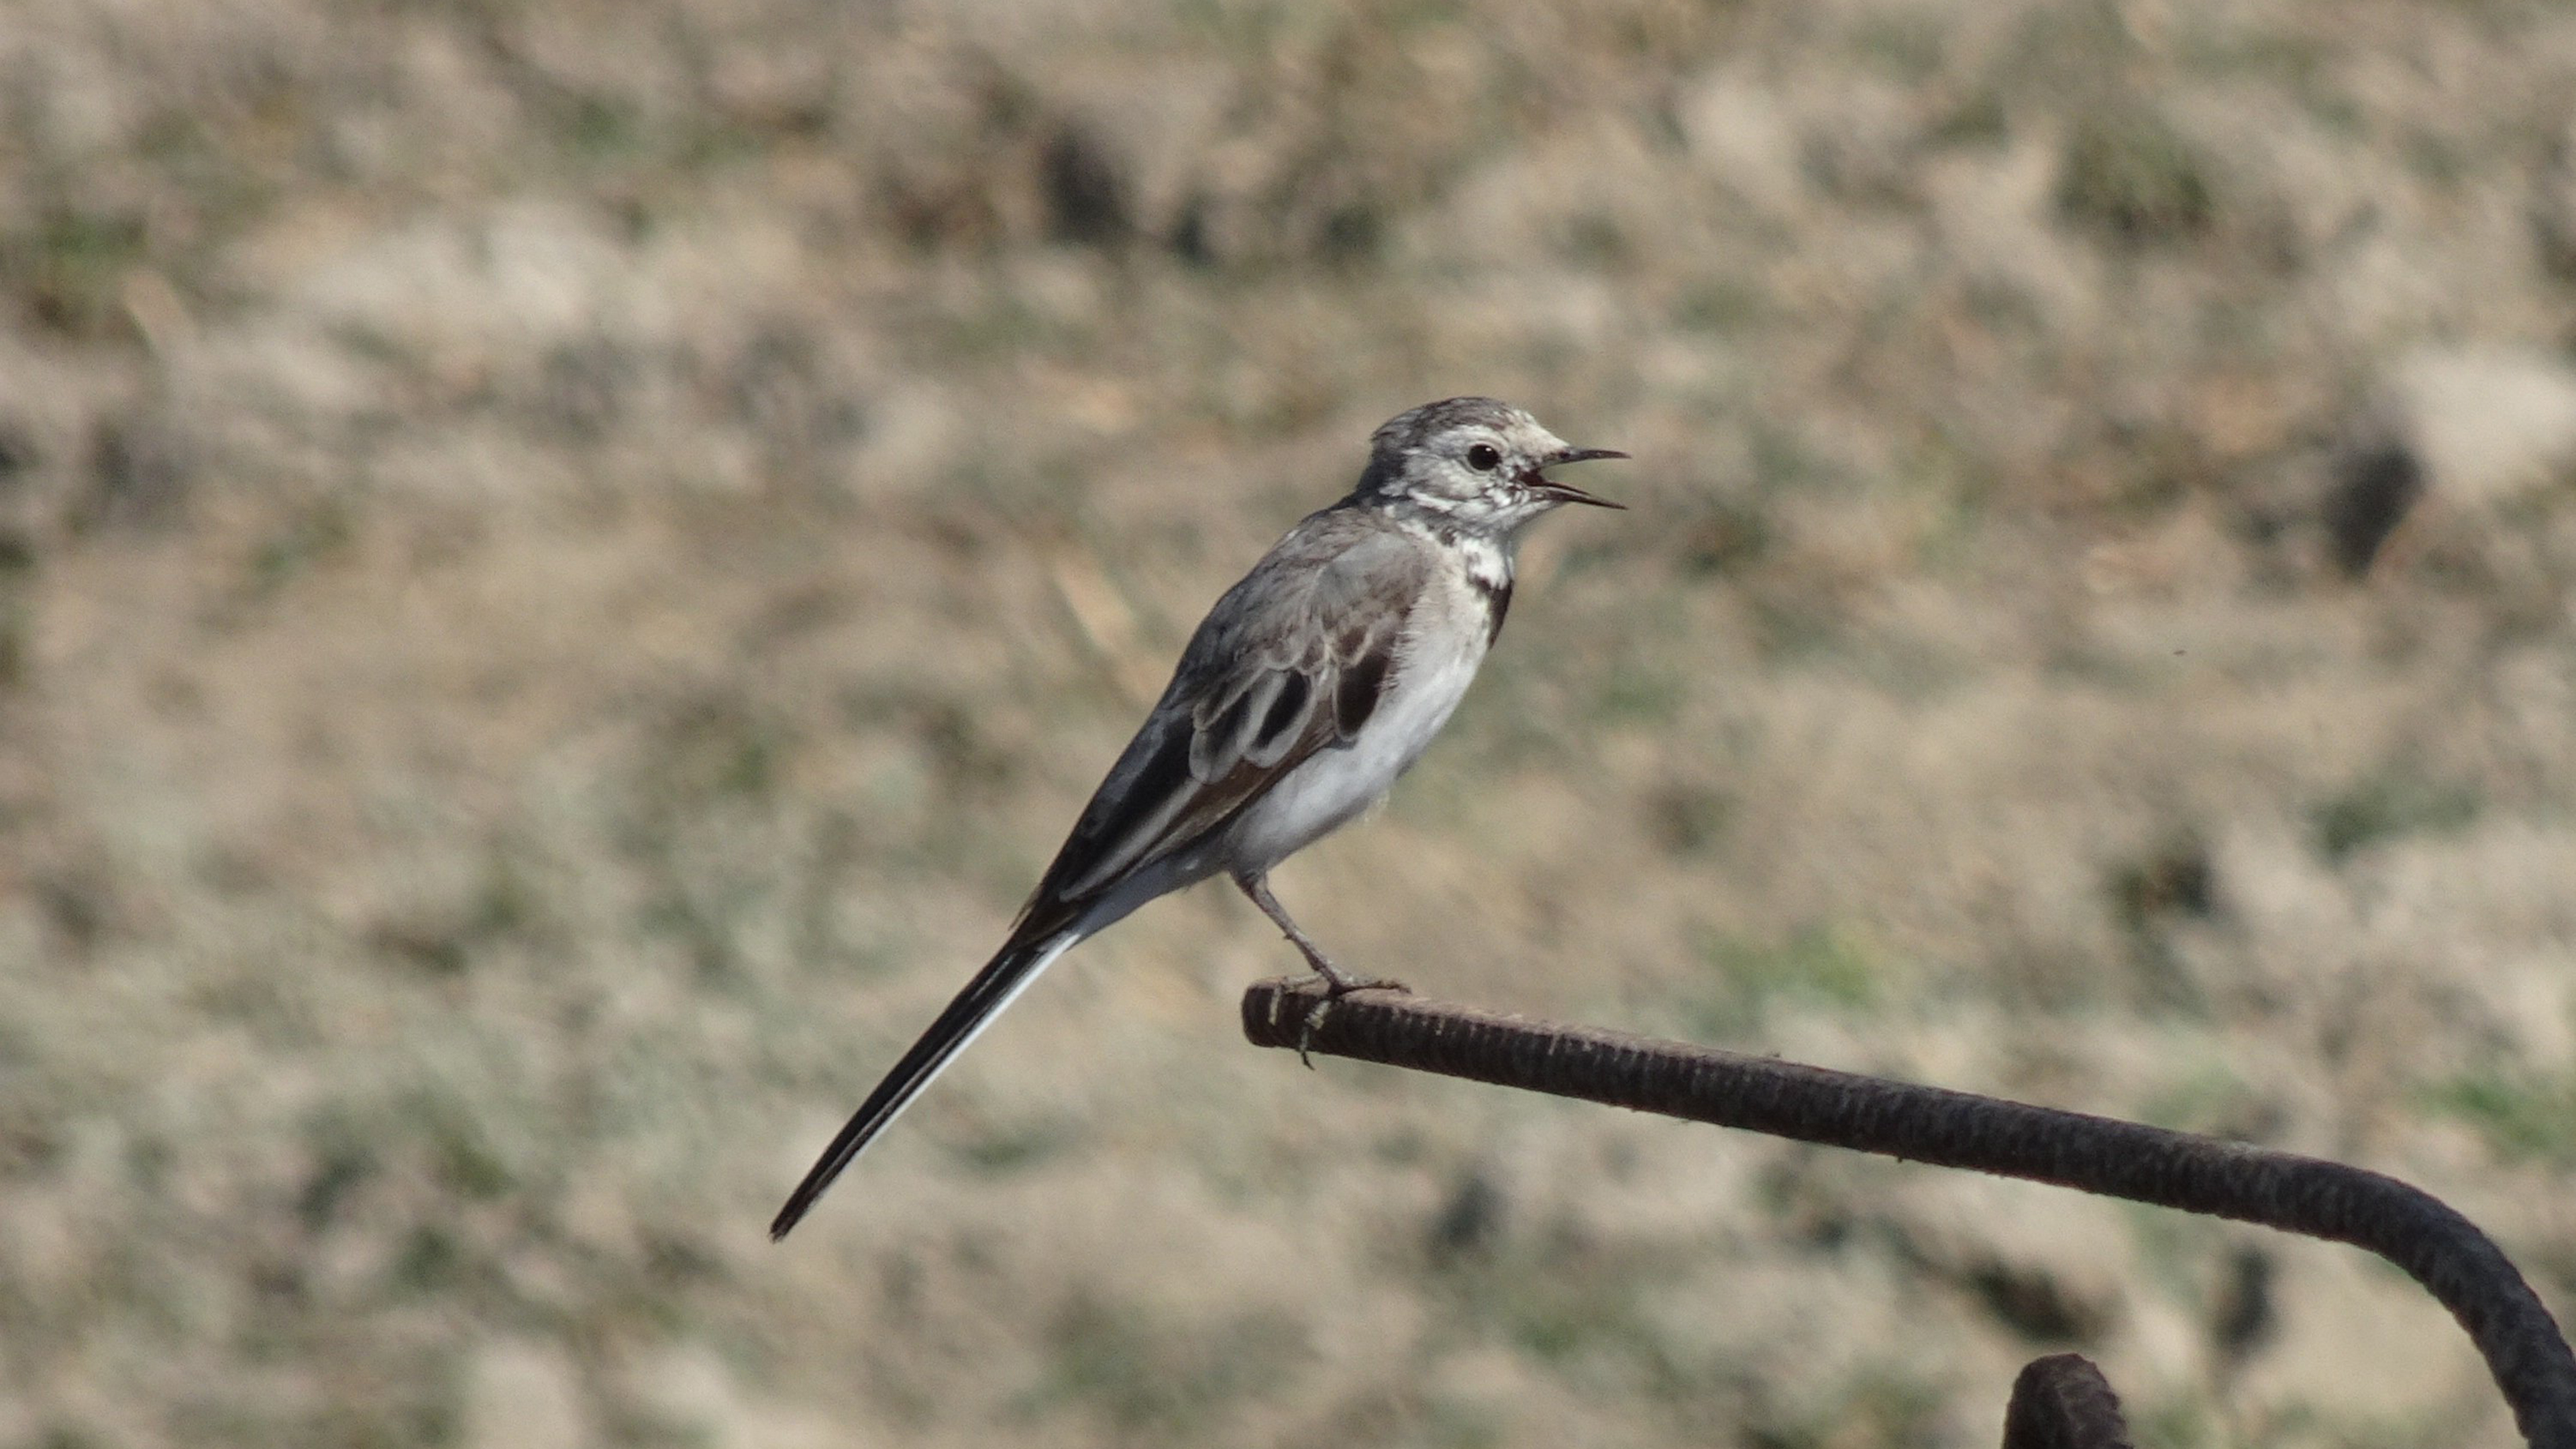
1484	457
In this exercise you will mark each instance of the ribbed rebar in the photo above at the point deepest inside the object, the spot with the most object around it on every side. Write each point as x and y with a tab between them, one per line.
2063	1402
2436	1246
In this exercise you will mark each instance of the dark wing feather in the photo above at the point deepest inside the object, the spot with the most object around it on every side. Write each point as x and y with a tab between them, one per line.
1356	691
1293	660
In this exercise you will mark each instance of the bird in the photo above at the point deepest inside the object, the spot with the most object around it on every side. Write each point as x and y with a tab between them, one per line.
1310	686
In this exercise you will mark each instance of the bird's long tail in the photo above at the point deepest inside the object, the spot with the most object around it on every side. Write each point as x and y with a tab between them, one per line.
996	986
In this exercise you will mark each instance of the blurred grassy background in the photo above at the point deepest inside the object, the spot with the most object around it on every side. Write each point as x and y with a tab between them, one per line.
562	568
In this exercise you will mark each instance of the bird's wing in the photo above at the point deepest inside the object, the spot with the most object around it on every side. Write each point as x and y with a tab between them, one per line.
1293	660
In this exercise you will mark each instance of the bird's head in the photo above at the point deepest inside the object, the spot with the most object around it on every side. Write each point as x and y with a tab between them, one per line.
1472	465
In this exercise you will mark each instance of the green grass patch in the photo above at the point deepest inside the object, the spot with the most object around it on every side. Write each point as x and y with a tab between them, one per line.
1721	304
1905	46
1880	1405
2130	176
1639	693
1159	1379
2398	801
1017	1146
1721	538
1582	1310
2182	1422
2524	1116
1825	965
1978	120
307	540
2175	879
2210	1100
69	265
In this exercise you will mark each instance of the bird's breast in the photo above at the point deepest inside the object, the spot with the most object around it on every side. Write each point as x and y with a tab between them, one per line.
1435	664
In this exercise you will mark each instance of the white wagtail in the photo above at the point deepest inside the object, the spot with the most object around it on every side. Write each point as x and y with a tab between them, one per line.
1308	688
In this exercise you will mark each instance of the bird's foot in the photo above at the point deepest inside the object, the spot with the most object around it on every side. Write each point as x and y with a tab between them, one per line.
1337	985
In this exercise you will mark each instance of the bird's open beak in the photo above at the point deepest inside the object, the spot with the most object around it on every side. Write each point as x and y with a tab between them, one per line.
1566	492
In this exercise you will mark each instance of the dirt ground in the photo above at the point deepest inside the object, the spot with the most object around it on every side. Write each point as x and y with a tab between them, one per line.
563	567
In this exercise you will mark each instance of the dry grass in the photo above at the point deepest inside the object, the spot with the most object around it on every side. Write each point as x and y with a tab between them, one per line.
564	566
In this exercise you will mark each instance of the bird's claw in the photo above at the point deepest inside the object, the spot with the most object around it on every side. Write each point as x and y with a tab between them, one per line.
1336	986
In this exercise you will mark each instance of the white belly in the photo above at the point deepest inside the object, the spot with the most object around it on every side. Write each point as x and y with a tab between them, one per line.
1333	786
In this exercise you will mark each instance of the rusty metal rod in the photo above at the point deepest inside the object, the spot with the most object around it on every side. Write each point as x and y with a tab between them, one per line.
2436	1246
2063	1402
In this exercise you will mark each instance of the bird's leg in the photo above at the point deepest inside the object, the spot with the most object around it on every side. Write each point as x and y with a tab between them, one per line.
1336	985
1258	888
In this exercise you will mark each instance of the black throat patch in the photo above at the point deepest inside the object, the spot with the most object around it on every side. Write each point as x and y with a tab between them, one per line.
1489	573
1498	602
